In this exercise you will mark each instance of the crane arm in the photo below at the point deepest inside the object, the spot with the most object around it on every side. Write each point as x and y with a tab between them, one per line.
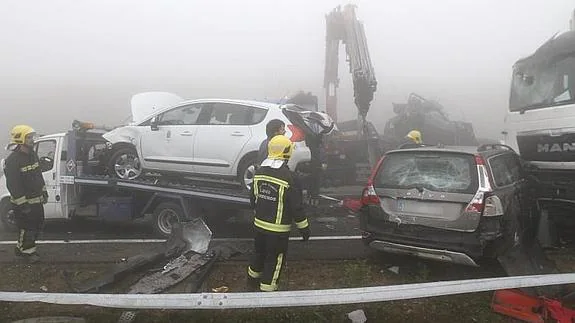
343	26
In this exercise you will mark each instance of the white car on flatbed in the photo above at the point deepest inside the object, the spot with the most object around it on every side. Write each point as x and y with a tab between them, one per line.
208	137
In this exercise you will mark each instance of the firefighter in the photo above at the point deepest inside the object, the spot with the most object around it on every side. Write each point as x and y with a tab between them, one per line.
27	190
273	128
412	140
276	197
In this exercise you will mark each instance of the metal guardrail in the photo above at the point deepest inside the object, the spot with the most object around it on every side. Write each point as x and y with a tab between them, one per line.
290	298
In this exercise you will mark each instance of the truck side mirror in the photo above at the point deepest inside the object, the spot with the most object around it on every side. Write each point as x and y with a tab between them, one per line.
154	124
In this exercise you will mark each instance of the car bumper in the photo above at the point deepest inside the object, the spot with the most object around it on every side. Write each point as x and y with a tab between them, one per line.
424	242
425	253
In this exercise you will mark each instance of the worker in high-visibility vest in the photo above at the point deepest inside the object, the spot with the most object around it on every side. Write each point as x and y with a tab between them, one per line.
27	190
277	199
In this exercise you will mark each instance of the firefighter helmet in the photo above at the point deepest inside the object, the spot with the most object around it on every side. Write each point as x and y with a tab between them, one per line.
415	135
280	148
19	133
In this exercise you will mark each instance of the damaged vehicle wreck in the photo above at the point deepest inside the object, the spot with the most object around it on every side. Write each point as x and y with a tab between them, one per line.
209	137
452	204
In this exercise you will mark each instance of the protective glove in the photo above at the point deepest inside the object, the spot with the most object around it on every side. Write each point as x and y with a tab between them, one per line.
305	233
323	167
45	196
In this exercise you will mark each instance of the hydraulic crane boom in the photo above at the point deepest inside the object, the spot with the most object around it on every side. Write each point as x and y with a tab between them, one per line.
342	25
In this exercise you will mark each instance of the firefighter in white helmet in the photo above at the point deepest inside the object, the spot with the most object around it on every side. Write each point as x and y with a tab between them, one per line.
27	190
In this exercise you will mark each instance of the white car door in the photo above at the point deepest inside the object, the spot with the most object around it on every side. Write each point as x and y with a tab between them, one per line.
218	144
48	148
168	146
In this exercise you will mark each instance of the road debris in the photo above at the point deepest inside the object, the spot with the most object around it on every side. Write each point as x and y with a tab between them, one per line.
357	316
527	308
44	288
190	236
394	269
221	289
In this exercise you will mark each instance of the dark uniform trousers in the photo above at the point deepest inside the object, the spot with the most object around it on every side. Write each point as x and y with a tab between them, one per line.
268	262
29	226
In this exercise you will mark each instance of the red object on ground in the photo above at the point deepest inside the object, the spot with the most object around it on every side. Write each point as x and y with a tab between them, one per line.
516	304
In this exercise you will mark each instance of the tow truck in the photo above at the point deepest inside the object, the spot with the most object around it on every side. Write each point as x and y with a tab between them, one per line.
74	168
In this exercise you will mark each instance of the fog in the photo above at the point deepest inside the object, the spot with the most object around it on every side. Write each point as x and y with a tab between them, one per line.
64	60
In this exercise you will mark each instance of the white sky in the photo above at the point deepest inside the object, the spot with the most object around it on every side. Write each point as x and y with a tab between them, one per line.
82	59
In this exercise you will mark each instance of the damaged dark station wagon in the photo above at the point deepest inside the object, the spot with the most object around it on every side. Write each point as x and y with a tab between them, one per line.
453	204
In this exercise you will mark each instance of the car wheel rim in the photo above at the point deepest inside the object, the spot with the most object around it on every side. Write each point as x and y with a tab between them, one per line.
127	166
249	176
166	220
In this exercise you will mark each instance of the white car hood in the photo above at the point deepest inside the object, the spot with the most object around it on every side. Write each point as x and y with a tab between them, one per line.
146	103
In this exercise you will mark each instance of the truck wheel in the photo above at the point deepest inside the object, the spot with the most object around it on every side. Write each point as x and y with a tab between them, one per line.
125	163
7	216
246	172
165	215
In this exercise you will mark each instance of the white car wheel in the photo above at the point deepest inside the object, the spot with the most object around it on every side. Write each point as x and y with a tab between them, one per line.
126	164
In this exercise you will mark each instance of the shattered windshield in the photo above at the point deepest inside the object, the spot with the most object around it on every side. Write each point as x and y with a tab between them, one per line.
542	84
441	172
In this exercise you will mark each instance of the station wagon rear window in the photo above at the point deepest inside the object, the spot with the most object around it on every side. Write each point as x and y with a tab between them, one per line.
440	172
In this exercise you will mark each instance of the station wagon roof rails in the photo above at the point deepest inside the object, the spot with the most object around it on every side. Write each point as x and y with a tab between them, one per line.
486	147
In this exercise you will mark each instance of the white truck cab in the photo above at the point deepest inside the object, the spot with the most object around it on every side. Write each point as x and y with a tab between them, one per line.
51	147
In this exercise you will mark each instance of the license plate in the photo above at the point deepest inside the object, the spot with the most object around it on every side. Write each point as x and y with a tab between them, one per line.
400	205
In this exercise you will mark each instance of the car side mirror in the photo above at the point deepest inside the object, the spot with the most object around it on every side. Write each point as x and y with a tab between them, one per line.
154	124
46	164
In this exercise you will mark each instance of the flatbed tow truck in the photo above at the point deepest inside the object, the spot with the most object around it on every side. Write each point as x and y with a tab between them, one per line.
74	169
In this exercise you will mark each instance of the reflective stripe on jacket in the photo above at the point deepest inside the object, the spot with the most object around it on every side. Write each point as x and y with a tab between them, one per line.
277	199
24	178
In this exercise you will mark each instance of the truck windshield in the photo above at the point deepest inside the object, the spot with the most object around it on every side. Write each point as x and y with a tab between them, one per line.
543	84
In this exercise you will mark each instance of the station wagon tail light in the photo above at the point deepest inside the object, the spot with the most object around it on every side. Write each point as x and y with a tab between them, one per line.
297	134
477	204
493	206
369	196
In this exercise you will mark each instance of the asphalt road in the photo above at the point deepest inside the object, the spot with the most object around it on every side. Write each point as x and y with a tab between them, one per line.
326	222
329	220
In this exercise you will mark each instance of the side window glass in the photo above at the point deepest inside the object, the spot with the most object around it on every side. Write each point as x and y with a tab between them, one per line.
514	168
186	115
500	170
46	149
230	114
258	115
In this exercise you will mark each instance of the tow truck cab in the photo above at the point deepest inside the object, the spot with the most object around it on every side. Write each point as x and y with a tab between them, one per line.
74	167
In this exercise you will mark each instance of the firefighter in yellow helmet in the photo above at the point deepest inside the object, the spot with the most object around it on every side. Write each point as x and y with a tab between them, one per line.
277	198
412	140
27	190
